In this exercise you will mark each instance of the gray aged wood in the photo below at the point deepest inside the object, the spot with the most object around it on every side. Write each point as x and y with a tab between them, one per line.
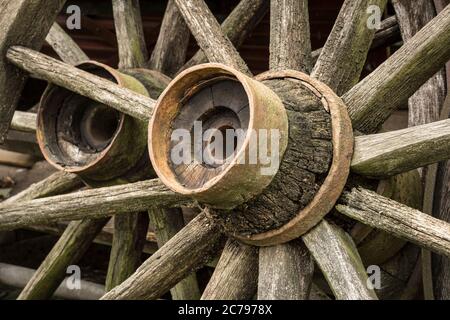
188	250
338	258
424	107
210	37
67	49
290	43
345	52
15	26
372	100
130	34
95	203
70	247
82	82
390	153
24	121
425	104
55	184
389	31
388	215
237	26
171	47
236	274
285	272
167	222
130	231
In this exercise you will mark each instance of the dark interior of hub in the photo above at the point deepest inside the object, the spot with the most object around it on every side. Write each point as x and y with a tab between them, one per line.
78	129
217	106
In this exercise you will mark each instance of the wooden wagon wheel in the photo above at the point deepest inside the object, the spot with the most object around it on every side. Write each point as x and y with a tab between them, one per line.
284	268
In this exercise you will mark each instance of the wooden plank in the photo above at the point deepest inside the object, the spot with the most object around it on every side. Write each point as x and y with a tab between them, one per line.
343	57
82	82
236	274
285	272
130	34
130	231
15	159
210	38
170	50
390	153
189	250
95	203
388	215
290	43
237	26
24	121
67	49
372	101
336	255
167	223
70	247
15	26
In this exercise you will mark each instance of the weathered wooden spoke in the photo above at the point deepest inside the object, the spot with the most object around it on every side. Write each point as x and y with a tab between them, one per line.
130	34
284	211
236	274
82	82
386	154
344	54
95	203
407	223
188	250
206	30
237	26
170	50
16	16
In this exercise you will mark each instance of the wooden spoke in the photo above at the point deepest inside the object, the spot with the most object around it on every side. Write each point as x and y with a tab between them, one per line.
388	32
285	272
372	101
55	184
95	203
130	34
64	46
206	30
170	50
390	153
130	231
167	222
15	26
338	258
81	82
425	104
24	121
290	43
400	220
70	247
190	249
237	26
236	274
344	54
